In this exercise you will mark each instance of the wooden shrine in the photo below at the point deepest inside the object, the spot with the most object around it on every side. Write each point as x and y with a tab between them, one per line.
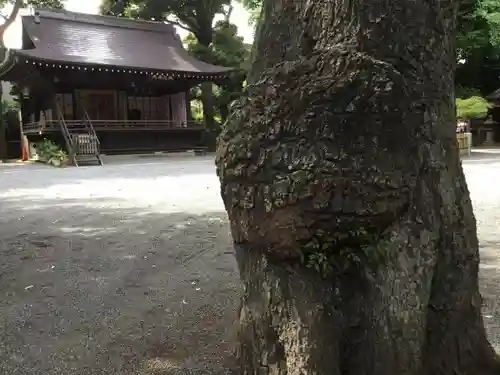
124	82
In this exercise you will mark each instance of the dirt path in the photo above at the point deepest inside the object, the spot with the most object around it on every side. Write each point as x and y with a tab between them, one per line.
128	269
115	270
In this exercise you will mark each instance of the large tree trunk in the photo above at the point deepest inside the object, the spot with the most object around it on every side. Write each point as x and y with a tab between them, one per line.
352	222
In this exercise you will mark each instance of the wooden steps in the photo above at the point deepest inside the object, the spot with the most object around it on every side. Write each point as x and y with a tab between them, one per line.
81	140
85	148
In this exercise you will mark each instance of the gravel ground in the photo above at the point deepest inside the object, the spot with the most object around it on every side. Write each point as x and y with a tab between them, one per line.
482	170
121	269
127	268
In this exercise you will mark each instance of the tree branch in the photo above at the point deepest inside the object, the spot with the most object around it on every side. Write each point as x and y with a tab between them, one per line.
9	20
178	24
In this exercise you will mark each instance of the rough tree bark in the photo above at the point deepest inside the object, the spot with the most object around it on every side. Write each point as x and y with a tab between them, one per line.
351	217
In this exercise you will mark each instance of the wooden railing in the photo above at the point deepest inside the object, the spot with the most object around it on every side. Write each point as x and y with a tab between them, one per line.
122	125
112	125
90	126
34	127
64	130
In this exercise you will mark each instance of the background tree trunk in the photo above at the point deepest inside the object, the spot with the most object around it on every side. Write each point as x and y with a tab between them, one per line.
205	38
3	131
352	222
207	99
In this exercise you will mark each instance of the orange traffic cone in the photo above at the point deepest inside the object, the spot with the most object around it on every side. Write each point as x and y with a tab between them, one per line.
25	155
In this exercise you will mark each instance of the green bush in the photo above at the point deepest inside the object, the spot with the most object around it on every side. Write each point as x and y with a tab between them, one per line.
473	107
49	152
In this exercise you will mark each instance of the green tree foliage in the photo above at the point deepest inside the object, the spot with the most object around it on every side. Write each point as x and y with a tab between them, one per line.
113	7
489	10
473	107
194	16
478	45
473	30
466	92
227	49
254	7
54	4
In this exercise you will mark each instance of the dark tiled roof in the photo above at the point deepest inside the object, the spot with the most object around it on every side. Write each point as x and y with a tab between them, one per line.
76	38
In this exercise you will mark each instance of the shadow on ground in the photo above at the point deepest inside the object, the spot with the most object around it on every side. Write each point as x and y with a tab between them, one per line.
112	270
85	290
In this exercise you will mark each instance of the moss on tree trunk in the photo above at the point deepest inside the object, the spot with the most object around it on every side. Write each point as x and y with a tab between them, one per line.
352	222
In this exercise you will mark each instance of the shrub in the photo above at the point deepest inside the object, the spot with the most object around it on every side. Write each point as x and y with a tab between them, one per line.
51	153
473	107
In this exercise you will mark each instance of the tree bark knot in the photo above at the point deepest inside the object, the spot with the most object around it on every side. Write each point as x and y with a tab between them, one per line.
312	178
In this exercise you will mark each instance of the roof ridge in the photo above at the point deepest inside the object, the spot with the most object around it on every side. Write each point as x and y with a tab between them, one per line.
97	19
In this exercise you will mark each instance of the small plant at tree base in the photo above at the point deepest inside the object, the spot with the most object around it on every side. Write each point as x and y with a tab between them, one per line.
356	248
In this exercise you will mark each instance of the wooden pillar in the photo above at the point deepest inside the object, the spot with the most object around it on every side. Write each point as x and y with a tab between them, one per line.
74	98
23	118
170	109
3	133
189	115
